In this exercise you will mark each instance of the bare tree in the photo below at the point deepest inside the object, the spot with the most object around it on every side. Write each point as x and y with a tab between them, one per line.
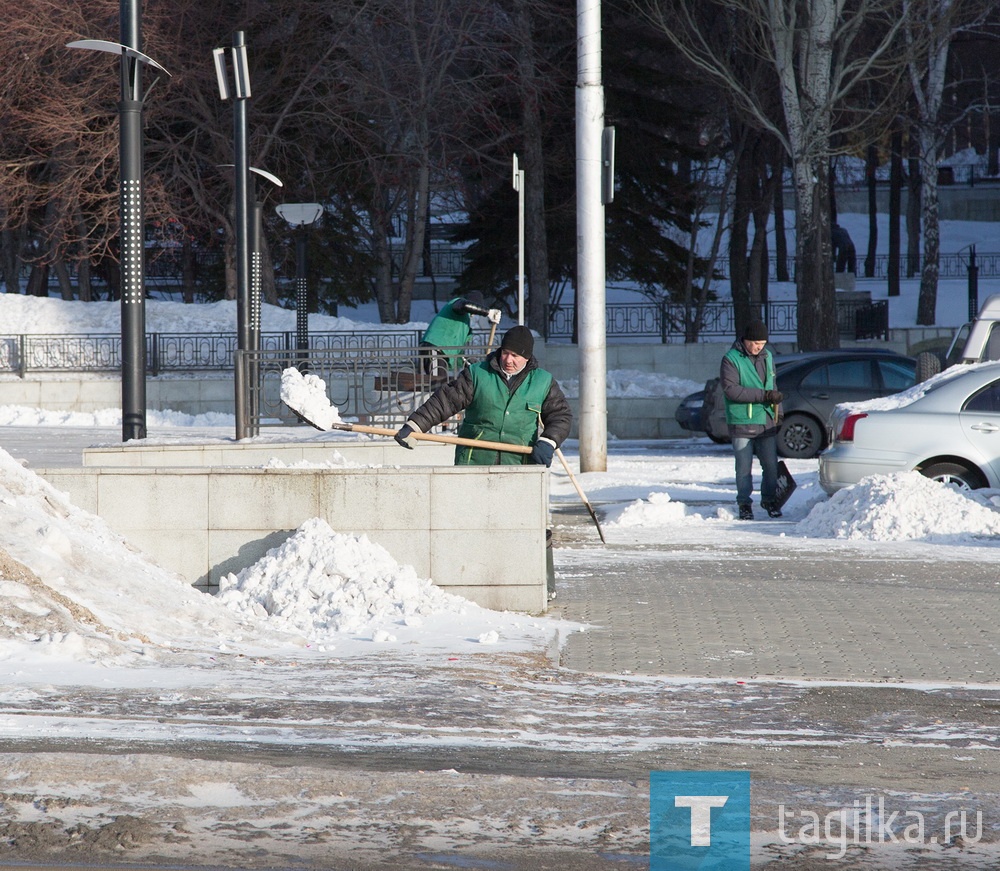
810	46
932	26
419	76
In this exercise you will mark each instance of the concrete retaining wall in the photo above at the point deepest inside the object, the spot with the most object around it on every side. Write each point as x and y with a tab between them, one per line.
477	531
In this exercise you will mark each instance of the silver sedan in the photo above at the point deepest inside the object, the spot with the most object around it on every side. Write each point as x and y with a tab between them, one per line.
947	428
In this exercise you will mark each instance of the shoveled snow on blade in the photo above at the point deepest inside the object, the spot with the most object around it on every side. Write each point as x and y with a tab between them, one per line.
306	395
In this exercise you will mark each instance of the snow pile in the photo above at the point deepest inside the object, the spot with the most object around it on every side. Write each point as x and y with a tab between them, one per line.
633	383
902	507
306	395
75	590
320	583
658	509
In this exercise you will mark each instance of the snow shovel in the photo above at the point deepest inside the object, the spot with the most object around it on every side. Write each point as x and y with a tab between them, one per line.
784	485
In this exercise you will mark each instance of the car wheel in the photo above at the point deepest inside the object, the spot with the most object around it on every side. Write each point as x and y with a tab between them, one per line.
799	437
954	474
928	365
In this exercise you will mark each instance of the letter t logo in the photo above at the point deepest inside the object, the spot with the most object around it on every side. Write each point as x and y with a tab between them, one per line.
701	815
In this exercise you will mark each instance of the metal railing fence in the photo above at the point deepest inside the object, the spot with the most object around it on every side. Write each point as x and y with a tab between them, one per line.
183	352
668	322
949	266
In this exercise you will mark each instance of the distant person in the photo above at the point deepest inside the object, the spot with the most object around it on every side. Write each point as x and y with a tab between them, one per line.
845	257
748	383
450	329
507	397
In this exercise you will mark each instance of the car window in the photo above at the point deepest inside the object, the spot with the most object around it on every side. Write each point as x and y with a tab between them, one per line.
846	373
986	400
896	374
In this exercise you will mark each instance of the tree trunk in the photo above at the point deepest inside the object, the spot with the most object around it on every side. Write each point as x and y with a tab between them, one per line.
913	210
739	279
189	272
62	277
11	262
927	301
780	241
895	197
384	295
817	308
416	225
871	165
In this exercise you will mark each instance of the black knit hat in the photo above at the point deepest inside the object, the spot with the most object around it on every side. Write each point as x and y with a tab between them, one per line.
755	331
475	297
519	340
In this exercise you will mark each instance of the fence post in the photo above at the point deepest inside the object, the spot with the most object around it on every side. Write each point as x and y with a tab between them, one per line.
154	353
22	356
973	283
663	321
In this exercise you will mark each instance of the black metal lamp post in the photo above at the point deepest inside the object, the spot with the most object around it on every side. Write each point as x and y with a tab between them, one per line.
244	334
133	291
299	216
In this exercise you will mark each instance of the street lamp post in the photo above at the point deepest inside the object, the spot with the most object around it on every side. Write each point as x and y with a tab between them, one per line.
244	332
518	182
132	248
299	216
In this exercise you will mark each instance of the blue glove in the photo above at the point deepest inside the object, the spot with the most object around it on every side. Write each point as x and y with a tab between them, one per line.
541	453
405	436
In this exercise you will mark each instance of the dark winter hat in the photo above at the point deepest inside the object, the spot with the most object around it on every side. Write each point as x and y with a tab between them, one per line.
519	340
755	331
475	297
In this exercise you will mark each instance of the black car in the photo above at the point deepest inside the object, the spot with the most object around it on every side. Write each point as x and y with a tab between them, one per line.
688	413
813	384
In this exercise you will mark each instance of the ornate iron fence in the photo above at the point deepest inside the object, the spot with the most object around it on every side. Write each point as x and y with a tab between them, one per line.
949	266
668	322
186	352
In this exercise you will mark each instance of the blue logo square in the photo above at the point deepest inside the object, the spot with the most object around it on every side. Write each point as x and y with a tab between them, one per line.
699	821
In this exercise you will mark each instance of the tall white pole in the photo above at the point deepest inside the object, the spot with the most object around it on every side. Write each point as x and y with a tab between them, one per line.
519	187
590	289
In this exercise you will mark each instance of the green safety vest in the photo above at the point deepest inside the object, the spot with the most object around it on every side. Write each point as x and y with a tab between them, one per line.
742	413
498	415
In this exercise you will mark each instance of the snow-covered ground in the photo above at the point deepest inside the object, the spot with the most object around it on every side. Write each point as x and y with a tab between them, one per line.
349	650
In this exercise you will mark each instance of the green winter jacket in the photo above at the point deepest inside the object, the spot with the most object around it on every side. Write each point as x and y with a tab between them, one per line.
743	413
500	415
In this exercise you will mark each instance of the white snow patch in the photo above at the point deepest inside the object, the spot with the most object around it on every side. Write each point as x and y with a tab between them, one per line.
904	506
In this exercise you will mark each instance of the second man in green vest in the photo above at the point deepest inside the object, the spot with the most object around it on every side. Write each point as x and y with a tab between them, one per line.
752	398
